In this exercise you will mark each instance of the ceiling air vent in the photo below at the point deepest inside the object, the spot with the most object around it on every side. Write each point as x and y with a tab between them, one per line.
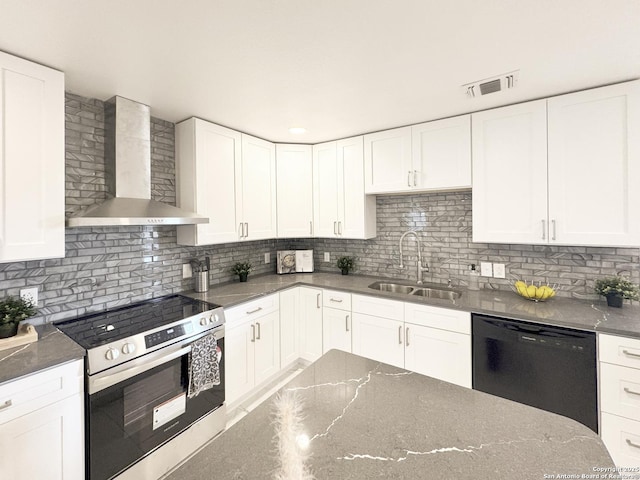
491	85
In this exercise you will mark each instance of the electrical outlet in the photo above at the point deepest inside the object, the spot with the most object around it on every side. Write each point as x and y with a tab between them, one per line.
327	257
486	269
267	257
187	272
498	270
30	294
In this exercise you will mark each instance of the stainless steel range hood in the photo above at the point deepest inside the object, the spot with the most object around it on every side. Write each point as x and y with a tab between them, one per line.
128	174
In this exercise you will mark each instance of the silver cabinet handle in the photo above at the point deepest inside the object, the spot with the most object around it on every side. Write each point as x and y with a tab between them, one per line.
6	404
310	228
346	323
400	335
628	390
253	333
631	444
544	229
553	229
631	354
337	300
415	176
409	178
241	230
258	325
339	228
318	301
246	235
254	310
335	226
406	336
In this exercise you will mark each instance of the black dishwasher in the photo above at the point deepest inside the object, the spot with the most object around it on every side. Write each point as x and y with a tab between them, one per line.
550	368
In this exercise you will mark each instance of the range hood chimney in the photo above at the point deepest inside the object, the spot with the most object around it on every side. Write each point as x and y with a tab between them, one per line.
128	174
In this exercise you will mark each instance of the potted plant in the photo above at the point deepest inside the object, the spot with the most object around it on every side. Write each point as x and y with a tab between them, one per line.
345	264
242	269
616	289
12	312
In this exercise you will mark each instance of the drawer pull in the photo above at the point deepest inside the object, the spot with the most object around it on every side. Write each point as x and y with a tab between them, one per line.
6	404
631	354
628	390
254	311
337	300
631	444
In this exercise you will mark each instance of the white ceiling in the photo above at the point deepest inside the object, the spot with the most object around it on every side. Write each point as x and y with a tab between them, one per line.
336	67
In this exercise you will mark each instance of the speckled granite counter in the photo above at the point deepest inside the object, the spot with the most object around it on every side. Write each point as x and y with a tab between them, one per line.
367	420
564	312
52	348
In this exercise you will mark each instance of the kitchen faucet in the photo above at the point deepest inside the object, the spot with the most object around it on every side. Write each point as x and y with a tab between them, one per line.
420	268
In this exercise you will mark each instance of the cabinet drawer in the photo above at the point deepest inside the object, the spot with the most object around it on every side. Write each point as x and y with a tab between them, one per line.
35	391
619	350
378	307
442	318
620	390
622	438
335	299
253	308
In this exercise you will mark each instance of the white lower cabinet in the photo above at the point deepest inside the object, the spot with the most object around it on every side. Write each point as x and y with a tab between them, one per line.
378	339
252	346
41	425
337	322
620	398
310	323
289	328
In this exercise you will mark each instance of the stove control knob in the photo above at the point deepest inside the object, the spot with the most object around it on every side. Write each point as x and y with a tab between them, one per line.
216	317
112	354
203	321
128	348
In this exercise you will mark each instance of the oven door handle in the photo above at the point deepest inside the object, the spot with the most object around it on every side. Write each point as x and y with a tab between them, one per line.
109	378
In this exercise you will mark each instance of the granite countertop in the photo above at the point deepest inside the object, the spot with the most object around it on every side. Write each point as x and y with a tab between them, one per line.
363	419
559	311
52	348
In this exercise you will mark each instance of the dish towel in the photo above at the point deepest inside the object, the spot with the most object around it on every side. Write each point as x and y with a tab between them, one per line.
204	367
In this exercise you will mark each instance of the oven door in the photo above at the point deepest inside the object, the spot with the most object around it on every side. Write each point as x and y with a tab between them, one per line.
136	407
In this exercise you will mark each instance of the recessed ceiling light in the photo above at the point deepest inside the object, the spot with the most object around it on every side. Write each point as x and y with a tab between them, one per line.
297	130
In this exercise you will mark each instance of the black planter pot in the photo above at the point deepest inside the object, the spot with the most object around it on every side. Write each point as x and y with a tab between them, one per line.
8	330
614	301
243	276
345	271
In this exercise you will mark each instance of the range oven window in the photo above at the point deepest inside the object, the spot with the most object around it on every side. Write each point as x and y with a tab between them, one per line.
133	417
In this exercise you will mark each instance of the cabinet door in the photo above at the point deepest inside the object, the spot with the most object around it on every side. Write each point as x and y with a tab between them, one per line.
267	346
336	329
594	166
325	190
387	157
47	443
289	334
294	191
441	154
206	156
378	338
438	354
356	211
310	322
239	361
257	190
509	201
31	160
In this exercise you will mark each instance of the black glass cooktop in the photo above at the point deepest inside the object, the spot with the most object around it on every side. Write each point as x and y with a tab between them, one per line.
96	329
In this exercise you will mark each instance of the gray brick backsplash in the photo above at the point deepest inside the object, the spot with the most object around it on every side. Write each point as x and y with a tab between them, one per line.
109	267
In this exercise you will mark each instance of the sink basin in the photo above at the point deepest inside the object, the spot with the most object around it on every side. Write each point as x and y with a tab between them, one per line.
427	292
437	293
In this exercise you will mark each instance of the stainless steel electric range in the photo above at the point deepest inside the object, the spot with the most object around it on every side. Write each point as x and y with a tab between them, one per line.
138	377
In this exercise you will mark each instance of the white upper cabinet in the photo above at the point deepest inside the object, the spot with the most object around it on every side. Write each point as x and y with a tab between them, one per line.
206	155
559	171
441	154
341	208
294	191
430	156
509	200
594	166
31	160
256	189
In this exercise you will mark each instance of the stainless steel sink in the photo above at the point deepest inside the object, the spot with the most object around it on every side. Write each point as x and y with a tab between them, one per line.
427	292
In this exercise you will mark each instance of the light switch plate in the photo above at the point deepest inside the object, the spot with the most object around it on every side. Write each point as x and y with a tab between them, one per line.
187	272
498	270
30	294
327	256
486	269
